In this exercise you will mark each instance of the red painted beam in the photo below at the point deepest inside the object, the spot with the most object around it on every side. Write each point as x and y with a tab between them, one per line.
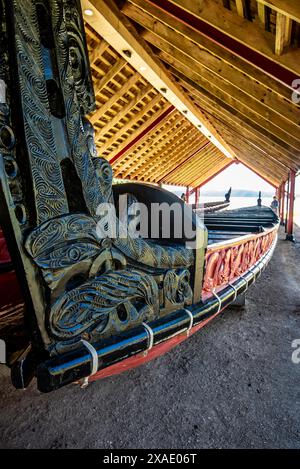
4	254
211	177
260	61
151	127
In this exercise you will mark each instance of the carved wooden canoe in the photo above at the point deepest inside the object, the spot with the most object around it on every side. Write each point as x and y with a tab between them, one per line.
77	304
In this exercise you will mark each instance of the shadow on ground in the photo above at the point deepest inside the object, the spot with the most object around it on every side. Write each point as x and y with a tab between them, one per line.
232	385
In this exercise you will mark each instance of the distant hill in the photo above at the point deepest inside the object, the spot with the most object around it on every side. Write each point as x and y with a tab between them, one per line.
220	194
236	193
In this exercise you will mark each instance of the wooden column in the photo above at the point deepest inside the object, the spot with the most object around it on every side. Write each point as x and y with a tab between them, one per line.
290	218
286	202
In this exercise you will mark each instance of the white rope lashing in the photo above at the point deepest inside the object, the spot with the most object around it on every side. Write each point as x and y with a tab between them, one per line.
150	336
190	314
235	290
95	361
219	300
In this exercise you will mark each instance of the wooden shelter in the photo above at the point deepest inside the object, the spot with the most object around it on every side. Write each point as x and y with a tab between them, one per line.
178	99
185	88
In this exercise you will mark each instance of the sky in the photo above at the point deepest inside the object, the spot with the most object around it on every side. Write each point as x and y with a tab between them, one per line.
238	177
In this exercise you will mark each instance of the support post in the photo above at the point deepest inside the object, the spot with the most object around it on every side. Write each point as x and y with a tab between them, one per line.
287	203
290	220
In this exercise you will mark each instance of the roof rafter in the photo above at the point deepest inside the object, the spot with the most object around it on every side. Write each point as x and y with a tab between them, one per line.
109	22
236	34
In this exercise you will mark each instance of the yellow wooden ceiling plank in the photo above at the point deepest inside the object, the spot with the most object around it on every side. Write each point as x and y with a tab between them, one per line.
240	5
161	147
177	159
175	152
149	107
283	33
210	172
289	8
107	20
97	51
114	99
189	171
146	140
149	144
100	84
235	135
157	159
123	111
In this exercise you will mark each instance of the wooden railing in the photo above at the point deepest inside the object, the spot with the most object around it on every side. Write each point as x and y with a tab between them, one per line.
225	262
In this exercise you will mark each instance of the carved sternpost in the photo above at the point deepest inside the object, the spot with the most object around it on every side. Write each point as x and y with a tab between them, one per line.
77	284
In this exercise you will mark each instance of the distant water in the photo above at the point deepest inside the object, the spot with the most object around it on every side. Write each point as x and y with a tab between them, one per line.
238	202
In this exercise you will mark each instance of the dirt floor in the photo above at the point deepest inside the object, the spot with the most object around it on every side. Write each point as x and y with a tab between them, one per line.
232	385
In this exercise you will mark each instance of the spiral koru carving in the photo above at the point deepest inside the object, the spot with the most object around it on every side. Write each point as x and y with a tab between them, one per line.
93	307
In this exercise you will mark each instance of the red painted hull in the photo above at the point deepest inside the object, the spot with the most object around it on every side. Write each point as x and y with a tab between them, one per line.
141	358
4	254
10	293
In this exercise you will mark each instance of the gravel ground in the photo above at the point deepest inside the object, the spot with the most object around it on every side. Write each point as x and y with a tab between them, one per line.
232	385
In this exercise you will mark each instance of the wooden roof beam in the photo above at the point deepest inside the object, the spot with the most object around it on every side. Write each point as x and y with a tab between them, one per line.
111	24
247	114
123	111
283	33
289	8
233	134
208	167
200	166
103	147
243	147
240	5
141	135
185	161
209	45
185	148
184	51
210	105
114	98
242	37
102	82
155	140
167	145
